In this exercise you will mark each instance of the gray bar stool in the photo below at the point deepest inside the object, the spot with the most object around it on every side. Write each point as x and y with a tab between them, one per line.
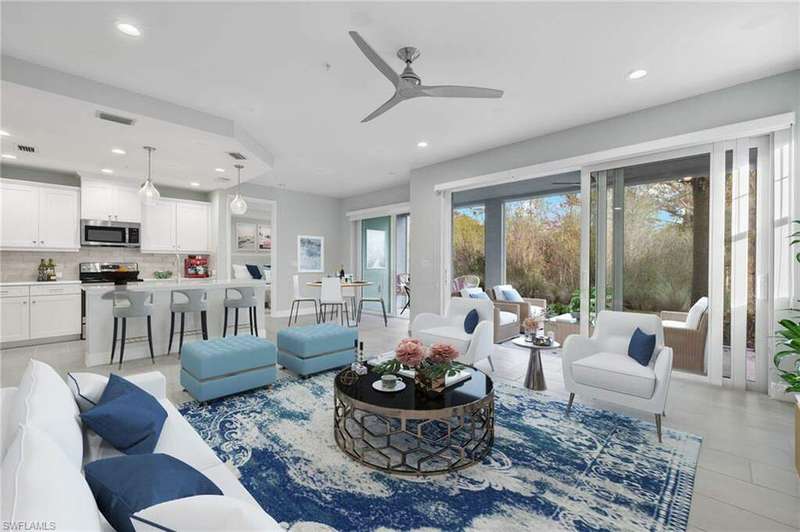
245	299
131	304
196	300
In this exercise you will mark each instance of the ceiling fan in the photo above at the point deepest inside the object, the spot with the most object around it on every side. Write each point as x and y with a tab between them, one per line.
409	85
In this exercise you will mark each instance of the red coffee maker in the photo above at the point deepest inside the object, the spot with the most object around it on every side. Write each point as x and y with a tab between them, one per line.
195	266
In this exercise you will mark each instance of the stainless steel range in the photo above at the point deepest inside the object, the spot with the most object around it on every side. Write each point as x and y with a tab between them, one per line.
109	272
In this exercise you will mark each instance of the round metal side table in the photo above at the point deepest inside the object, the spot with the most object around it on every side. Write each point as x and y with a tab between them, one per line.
534	378
410	432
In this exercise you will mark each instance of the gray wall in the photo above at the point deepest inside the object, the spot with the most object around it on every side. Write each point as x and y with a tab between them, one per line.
389	196
756	99
40	175
300	214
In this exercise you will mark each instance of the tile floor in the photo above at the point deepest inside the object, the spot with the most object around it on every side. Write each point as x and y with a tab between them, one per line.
745	480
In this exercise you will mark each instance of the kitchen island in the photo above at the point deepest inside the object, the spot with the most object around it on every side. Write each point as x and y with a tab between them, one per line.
100	321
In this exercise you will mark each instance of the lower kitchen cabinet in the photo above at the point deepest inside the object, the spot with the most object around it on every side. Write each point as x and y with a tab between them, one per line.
14	319
38	311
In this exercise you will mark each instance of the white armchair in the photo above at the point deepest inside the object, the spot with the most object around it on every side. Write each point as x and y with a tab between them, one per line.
449	329
600	367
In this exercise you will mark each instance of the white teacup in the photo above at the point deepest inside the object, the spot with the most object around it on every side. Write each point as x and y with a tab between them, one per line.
389	381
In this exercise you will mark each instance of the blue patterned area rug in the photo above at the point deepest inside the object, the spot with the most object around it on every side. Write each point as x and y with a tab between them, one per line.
593	470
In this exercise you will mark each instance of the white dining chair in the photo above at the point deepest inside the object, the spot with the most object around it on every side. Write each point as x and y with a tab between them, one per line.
331	299
297	298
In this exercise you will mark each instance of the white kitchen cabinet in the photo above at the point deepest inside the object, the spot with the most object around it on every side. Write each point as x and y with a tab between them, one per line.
104	200
55	315
192	227
19	215
158	227
58	218
176	226
14	319
39	216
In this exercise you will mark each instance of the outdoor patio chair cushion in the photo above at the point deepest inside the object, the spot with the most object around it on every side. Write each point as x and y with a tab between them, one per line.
507	318
696	312
615	372
674	324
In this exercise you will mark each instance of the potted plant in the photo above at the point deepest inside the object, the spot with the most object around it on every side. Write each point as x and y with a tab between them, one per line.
787	359
431	365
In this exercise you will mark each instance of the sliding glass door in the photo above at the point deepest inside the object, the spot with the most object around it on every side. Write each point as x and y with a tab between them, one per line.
376	261
669	232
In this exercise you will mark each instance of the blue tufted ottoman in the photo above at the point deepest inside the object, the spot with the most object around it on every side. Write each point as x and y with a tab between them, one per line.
315	348
224	366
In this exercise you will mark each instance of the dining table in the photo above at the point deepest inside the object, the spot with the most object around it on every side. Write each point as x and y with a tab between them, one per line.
346	284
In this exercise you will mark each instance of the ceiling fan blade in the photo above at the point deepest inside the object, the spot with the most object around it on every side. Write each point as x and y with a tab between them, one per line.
375	59
388	104
458	91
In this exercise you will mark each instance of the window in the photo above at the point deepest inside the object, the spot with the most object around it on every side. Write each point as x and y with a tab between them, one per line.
469	233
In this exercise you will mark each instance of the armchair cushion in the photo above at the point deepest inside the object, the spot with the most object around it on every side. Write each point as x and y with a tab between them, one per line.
696	312
479	295
471	321
616	373
449	334
674	324
507	318
641	346
469	290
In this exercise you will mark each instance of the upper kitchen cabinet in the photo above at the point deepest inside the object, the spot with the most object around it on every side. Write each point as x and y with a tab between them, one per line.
39	216
103	200
176	226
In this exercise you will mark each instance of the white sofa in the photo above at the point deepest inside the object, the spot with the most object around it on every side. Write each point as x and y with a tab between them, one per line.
47	405
599	367
449	329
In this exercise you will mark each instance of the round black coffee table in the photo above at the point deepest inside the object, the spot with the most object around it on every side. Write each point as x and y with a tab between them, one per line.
413	432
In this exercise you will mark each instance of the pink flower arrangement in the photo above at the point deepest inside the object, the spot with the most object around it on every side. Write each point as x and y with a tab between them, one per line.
410	352
442	353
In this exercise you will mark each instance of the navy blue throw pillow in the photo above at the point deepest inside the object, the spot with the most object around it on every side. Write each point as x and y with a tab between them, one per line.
471	321
127	417
641	347
255	271
124	485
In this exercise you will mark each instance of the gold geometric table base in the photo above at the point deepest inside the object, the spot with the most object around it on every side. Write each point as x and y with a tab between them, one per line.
414	442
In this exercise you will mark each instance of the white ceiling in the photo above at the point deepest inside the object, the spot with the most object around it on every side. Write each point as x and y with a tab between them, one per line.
263	65
68	136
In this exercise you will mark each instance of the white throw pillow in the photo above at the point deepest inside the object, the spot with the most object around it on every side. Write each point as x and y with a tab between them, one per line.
8	431
203	512
86	388
240	271
696	312
498	291
41	487
45	401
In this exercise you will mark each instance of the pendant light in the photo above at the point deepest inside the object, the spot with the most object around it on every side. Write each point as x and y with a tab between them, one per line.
238	204
148	193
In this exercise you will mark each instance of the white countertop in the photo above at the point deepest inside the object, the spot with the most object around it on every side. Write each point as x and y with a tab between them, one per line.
43	283
171	284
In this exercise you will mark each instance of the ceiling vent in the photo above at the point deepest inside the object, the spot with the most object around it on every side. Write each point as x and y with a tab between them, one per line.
125	121
236	155
24	148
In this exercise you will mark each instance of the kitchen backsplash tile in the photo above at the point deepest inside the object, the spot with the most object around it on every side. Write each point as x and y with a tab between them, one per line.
21	266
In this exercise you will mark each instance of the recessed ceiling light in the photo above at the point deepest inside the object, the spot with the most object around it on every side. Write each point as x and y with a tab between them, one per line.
128	29
4	133
9	156
107	170
194	184
219	169
118	151
422	144
639	73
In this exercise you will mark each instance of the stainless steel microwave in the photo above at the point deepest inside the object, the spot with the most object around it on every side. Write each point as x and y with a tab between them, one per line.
110	234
